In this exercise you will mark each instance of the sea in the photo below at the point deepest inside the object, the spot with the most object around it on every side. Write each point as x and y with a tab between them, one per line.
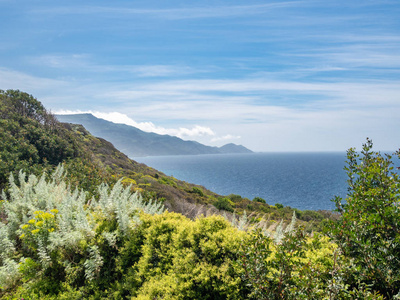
307	181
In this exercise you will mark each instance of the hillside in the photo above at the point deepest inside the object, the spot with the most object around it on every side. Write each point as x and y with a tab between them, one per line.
33	140
135	142
83	221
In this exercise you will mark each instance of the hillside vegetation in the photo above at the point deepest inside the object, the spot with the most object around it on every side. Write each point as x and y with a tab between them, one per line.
31	139
79	220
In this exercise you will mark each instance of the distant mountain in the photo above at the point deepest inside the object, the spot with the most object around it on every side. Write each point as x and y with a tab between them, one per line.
135	142
233	148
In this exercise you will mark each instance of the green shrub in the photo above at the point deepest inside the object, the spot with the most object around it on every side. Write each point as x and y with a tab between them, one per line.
235	198
167	180
192	259
309	215
198	191
259	199
293	267
368	230
223	203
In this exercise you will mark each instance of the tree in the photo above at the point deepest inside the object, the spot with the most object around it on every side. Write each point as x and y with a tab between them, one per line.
260	200
368	230
30	137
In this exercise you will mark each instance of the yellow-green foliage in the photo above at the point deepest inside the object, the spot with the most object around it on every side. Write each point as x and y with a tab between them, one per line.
168	180
192	259
320	251
297	267
38	228
128	181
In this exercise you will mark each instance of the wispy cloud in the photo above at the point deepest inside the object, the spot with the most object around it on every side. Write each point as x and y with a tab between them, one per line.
252	89
61	61
85	63
363	106
384	55
290	72
12	79
197	12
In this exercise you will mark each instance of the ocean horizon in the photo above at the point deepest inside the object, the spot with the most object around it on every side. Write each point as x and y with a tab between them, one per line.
303	180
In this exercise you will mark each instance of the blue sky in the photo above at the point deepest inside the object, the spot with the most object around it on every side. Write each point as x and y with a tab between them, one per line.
271	75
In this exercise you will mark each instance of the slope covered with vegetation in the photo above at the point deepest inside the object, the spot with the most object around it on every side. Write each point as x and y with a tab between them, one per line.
81	221
33	140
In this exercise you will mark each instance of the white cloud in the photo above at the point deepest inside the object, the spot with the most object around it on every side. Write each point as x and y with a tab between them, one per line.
193	132
119	118
225	138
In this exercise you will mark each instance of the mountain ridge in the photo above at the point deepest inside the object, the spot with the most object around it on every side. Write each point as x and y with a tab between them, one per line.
135	142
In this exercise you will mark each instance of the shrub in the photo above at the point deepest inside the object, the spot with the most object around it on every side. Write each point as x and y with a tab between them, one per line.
368	230
198	191
53	235
259	199
223	203
235	198
293	267
192	259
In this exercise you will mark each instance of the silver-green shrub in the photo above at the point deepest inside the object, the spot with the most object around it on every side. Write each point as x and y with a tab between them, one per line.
47	221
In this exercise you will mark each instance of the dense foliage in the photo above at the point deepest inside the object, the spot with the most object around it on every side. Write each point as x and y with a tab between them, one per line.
58	244
55	236
82	225
369	228
293	267
30	138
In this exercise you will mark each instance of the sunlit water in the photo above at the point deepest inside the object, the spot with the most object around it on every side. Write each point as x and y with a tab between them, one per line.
300	180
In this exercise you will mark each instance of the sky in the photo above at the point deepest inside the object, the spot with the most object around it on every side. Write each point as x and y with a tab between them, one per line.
298	75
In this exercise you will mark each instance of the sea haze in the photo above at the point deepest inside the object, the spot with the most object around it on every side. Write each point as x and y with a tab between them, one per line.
299	180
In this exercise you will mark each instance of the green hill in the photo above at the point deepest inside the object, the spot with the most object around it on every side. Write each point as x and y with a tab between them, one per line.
135	142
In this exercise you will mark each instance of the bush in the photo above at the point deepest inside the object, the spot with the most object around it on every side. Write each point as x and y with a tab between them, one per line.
184	259
293	267
235	198
368	230
52	235
198	191
259	199
223	203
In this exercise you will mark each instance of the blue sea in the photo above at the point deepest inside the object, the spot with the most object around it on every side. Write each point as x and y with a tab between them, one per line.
299	180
